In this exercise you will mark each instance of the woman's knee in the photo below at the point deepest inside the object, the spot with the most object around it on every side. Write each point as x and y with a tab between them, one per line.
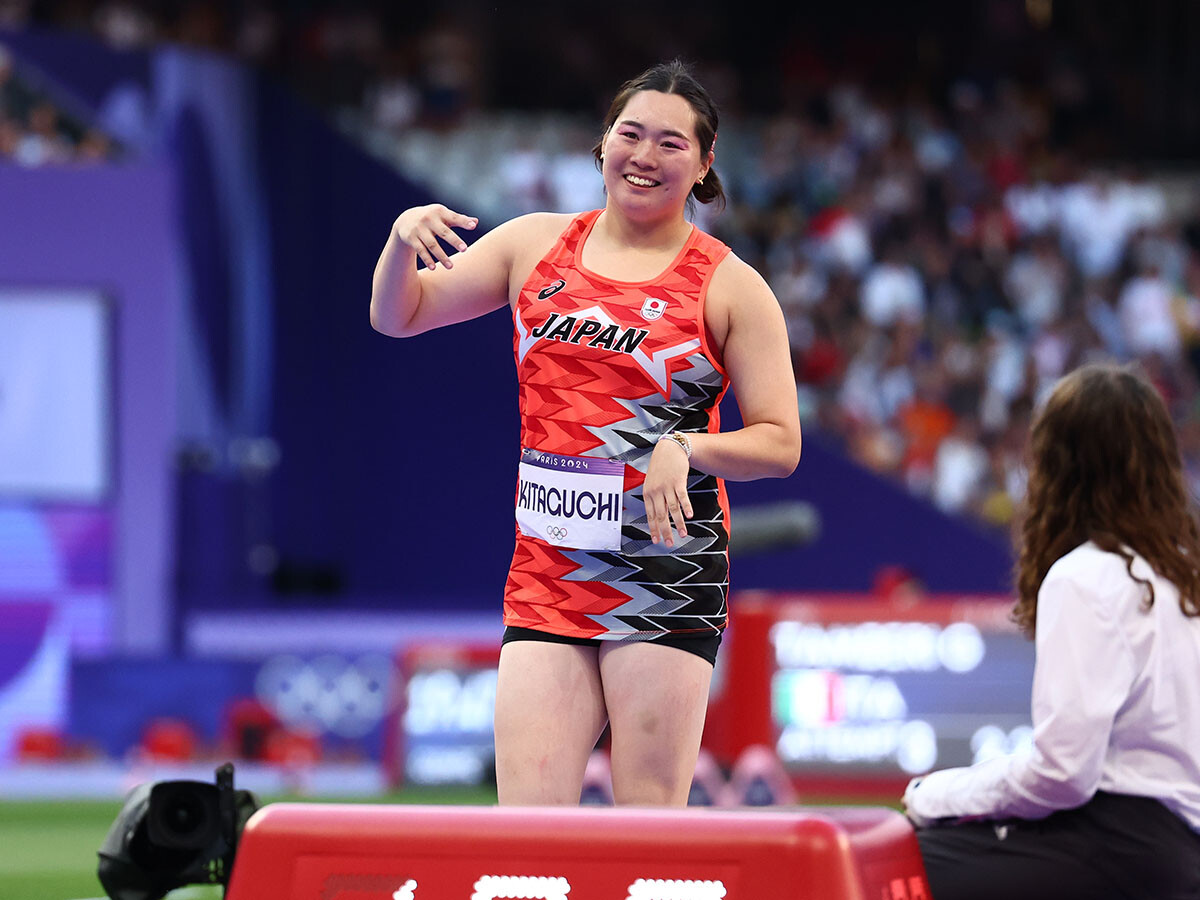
647	770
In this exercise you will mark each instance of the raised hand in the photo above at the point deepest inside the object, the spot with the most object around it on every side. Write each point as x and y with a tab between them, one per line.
422	226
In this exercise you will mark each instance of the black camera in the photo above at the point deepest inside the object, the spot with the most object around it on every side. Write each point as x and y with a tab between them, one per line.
174	833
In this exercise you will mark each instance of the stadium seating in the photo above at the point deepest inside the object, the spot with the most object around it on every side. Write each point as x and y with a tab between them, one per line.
39	745
167	739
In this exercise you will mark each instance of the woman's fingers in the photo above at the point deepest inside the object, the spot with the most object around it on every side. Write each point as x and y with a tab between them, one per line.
661	511
438	251
442	225
428	226
654	520
678	515
452	239
422	252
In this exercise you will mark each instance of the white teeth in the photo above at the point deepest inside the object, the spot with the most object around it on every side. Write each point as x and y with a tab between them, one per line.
640	182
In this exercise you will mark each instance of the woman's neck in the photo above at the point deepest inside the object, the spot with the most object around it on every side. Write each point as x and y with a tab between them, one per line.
658	235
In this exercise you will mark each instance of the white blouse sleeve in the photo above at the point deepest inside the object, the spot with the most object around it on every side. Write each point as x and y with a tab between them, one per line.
1083	674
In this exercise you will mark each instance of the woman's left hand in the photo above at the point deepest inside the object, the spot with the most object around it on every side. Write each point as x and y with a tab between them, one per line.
665	492
918	820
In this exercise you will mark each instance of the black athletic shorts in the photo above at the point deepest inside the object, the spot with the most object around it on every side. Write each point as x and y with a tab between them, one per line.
705	645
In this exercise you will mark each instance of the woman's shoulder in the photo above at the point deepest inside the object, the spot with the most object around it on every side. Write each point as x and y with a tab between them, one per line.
1085	561
1098	572
530	237
535	224
737	285
533	232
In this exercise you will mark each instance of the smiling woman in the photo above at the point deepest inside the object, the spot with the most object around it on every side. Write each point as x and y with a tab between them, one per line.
629	325
694	129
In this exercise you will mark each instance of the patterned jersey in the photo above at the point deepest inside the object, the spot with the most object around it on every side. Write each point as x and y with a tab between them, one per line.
605	367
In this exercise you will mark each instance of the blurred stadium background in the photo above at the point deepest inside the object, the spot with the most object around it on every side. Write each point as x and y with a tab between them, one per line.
237	523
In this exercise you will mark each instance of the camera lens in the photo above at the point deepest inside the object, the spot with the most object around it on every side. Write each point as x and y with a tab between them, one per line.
183	814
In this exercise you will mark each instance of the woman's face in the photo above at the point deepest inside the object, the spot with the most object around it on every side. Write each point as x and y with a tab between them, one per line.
652	156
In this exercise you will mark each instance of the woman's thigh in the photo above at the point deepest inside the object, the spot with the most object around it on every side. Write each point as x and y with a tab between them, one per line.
656	697
998	861
549	714
1114	846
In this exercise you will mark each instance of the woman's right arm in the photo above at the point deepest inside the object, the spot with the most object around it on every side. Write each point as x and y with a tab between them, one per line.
406	300
1083	674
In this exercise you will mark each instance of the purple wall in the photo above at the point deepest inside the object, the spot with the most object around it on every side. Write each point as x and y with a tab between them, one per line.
113	228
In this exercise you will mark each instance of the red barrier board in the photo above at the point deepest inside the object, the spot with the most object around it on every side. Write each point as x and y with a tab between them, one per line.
364	852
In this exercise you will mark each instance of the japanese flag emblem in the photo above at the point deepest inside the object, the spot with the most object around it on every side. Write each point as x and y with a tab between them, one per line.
653	308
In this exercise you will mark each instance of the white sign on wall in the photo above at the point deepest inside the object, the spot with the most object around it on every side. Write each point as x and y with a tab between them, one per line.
56	402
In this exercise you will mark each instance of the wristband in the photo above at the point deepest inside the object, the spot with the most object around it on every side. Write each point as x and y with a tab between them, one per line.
681	439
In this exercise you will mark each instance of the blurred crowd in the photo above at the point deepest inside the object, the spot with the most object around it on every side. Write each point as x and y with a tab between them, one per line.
941	266
943	249
34	130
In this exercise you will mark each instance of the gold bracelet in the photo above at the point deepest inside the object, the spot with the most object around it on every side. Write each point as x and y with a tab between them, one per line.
681	439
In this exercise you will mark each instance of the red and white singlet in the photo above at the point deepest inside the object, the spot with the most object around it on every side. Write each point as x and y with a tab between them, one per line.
605	368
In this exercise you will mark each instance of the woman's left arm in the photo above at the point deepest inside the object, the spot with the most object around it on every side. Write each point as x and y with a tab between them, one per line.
746	322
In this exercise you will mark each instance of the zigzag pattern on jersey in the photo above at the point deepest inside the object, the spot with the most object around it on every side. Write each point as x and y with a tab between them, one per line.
678	589
624	597
627	430
647	589
595	423
695	391
587	401
562	403
661	593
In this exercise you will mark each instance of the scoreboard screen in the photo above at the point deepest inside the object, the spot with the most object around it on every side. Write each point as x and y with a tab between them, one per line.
441	730
849	689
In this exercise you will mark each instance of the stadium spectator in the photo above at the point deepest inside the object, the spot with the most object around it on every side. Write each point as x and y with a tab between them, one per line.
42	142
1147	310
1036	280
892	291
33	130
15	97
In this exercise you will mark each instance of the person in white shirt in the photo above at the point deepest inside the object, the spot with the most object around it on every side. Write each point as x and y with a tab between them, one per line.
1105	802
892	290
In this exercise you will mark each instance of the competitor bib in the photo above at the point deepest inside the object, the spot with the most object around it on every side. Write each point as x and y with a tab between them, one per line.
570	501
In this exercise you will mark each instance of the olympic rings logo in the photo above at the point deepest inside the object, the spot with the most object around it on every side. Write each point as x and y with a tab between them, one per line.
328	694
559	534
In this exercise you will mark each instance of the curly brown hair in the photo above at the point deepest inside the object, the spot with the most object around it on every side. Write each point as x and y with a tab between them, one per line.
1105	467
